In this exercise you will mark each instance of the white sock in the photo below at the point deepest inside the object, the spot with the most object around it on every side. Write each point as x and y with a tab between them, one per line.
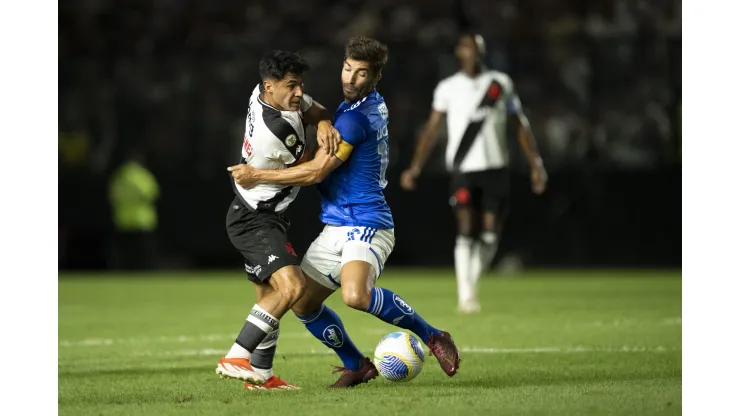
264	373
486	252
476	268
463	258
237	351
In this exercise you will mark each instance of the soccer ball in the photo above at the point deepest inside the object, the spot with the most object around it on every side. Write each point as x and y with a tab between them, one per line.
399	356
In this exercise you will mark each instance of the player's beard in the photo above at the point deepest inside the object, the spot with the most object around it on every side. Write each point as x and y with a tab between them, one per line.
354	93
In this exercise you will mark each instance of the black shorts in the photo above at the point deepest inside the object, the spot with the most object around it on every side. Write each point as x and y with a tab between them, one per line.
486	190
262	239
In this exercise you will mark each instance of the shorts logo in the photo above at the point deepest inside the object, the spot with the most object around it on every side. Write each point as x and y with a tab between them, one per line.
289	249
253	270
333	336
462	196
351	234
272	258
290	140
402	305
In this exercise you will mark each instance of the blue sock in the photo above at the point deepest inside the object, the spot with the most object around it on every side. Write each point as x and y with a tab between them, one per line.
391	308
326	326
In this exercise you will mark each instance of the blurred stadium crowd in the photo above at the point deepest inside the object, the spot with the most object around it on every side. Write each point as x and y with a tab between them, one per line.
600	81
168	80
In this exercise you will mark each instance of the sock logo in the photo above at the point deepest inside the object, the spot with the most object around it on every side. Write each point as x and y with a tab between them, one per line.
265	318
402	305
333	336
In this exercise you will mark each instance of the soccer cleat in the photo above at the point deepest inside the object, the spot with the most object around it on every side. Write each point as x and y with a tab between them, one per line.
469	307
351	378
239	368
272	383
443	347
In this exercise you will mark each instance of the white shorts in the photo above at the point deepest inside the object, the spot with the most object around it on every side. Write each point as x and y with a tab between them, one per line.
336	246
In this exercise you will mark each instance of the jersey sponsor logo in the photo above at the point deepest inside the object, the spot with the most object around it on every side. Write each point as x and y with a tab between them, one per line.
248	149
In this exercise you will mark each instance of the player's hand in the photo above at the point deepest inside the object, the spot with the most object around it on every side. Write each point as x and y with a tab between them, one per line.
408	180
539	180
245	175
328	137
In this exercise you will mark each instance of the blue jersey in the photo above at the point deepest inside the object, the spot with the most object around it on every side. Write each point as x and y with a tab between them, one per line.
352	194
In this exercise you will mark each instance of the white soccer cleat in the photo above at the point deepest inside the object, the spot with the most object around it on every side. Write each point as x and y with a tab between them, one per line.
240	369
469	307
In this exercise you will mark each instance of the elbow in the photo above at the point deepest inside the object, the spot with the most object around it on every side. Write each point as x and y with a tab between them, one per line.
318	177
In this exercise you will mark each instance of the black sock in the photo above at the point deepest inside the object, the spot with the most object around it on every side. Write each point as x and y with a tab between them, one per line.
259	324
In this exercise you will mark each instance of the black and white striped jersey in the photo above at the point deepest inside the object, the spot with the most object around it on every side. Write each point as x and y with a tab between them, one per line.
273	139
477	109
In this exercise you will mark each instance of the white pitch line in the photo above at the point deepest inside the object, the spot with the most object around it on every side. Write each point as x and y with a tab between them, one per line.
98	342
463	350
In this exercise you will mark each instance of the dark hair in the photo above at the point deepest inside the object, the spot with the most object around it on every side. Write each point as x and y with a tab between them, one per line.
366	49
277	64
480	43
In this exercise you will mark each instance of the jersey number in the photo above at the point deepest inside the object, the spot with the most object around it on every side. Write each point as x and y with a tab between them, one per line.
383	152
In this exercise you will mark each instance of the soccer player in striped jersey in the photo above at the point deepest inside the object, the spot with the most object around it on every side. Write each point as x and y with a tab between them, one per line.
477	103
256	224
358	235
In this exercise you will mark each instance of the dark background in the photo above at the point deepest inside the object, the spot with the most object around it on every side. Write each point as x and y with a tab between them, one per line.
599	80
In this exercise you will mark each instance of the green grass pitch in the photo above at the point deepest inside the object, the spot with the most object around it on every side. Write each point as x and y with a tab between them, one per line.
561	343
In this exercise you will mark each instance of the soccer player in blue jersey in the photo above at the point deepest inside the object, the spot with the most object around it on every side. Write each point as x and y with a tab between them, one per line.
358	237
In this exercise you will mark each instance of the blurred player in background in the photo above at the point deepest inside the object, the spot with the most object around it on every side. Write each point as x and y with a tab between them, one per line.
477	103
358	237
256	224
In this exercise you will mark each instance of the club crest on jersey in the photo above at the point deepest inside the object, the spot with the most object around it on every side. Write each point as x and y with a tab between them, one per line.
494	90
291	140
383	110
402	305
333	336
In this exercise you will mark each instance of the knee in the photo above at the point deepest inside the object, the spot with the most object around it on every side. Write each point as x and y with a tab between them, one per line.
306	306
356	297
293	287
301	309
464	226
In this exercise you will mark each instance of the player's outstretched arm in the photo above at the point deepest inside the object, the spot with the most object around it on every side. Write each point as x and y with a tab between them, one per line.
424	146
308	173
